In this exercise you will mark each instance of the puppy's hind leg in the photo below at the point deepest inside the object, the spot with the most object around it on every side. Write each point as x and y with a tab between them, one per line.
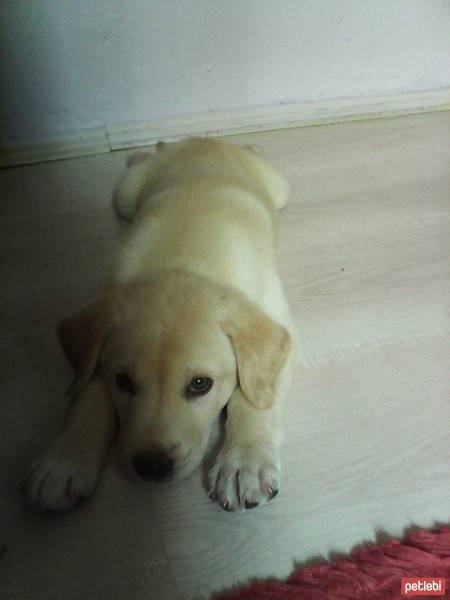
273	180
128	189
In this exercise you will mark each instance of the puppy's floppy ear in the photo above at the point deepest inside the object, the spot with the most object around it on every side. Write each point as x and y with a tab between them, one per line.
261	347
82	336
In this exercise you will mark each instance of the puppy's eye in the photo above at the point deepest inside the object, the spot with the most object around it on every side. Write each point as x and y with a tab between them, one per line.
125	383
199	386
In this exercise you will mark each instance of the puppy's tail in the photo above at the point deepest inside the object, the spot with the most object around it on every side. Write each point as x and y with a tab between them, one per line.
128	190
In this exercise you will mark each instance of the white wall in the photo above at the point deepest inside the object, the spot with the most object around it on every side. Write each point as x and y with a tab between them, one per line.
73	64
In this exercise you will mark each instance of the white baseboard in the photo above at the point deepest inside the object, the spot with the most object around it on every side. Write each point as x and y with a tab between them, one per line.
220	123
71	145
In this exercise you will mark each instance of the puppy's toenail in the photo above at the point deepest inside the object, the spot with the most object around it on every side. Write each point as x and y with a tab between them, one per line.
212	495
272	494
250	505
226	506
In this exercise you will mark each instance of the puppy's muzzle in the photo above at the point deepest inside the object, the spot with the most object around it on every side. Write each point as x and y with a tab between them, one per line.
153	465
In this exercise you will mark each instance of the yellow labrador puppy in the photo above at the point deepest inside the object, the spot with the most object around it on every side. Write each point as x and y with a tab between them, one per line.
195	320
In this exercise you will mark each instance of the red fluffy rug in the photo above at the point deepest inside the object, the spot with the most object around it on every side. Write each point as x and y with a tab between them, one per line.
369	573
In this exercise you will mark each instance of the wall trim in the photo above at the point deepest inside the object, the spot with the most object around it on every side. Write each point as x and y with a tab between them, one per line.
220	123
69	145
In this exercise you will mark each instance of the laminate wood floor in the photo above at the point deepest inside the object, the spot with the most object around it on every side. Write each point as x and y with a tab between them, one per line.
365	262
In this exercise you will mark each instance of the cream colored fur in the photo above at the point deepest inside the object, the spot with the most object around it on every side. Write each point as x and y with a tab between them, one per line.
195	292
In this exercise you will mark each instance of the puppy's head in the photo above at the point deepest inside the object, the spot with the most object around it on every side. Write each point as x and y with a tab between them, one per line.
170	352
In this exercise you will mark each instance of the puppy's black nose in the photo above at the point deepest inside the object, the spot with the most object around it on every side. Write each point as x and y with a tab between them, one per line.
154	466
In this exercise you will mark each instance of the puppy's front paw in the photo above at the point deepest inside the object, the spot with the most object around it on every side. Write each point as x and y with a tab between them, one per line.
244	477
59	479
